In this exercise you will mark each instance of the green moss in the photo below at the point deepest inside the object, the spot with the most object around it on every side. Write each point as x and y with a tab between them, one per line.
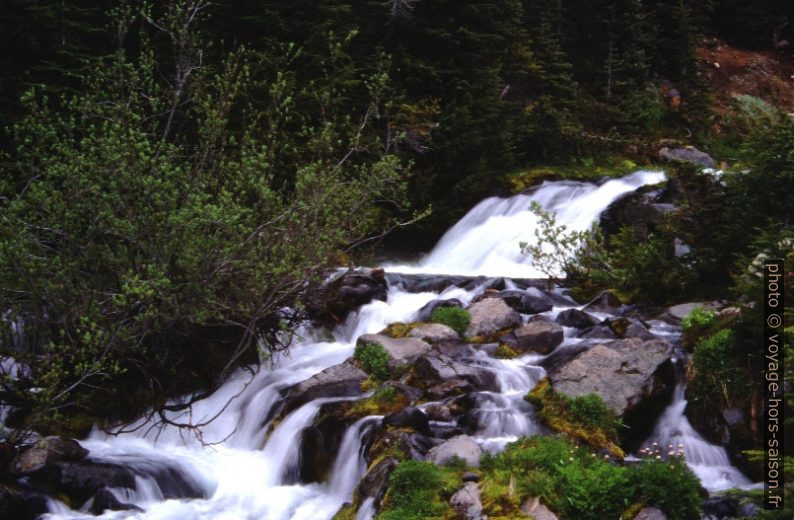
586	169
384	401
453	317
668	485
504	352
374	359
584	418
417	490
399	329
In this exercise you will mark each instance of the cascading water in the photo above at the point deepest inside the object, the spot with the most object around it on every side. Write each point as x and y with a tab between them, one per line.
241	472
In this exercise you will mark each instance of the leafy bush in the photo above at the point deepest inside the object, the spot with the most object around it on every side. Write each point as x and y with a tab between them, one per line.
668	485
453	317
373	359
699	318
716	369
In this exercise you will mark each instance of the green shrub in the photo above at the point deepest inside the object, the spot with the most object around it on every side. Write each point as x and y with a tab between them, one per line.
374	359
670	486
413	492
594	490
716	369
453	317
699	318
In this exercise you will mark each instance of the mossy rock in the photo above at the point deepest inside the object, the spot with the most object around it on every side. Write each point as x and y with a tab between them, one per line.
556	411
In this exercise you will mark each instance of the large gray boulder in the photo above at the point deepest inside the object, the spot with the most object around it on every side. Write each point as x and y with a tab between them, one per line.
402	351
466	501
687	154
631	376
489	316
342	380
47	451
538	336
444	376
461	447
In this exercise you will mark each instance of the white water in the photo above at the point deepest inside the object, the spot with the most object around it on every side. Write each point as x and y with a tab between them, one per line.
709	462
244	474
486	241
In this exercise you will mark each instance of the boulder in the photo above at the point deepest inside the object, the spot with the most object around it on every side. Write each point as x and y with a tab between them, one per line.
21	504
466	501
687	154
598	332
402	351
536	510
635	379
410	417
342	380
628	328
676	313
641	210
438	370
460	447
46	451
538	336
81	480
433	333
427	310
576	319
346	292
651	513
606	302
105	500
530	301
489	316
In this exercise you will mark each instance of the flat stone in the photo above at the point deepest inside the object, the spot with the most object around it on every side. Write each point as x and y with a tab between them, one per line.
538	336
342	380
401	350
434	333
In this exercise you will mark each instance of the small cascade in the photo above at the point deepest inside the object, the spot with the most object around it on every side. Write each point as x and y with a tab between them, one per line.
486	241
708	461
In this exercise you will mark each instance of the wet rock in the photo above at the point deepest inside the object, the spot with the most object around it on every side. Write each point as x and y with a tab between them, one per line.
47	451
719	508
635	379
651	513
82	479
530	301
622	328
376	481
434	371
687	154
104	500
347	292
466	501
641	210
536	510
449	388
598	332
576	319
490	316
410	417
606	302
427	310
470	476
402	351
19	504
538	336
342	380
461	447
434	333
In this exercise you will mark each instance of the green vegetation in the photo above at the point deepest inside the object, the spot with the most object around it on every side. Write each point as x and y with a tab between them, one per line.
699	318
417	490
453	317
582	418
717	377
374	359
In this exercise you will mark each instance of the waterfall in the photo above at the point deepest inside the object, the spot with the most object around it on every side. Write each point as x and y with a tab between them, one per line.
245	463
